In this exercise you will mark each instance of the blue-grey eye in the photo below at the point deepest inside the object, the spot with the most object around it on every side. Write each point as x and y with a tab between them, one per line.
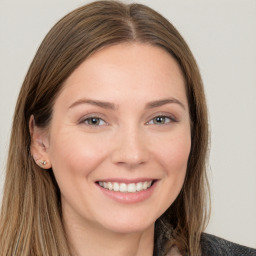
95	121
160	120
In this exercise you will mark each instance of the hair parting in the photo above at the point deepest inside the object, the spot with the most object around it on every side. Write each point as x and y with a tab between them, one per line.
31	196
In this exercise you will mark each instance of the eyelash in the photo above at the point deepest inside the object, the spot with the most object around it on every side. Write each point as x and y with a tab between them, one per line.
99	120
87	119
171	119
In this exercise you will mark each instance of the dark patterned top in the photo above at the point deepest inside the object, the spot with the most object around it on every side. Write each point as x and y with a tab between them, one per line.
215	246
211	245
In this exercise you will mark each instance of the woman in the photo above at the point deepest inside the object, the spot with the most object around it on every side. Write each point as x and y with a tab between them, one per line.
113	120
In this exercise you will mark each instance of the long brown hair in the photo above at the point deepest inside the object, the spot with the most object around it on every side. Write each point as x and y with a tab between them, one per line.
30	220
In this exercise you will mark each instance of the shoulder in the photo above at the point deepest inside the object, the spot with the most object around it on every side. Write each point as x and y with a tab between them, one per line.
214	246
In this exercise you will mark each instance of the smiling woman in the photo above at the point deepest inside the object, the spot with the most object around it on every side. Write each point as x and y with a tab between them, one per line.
109	142
123	151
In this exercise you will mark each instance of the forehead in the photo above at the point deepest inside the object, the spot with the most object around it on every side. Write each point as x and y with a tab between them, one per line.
128	68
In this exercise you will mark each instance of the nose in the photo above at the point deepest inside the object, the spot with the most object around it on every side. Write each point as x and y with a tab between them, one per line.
130	148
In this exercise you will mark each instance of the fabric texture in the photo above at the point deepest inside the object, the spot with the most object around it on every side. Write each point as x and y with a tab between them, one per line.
215	246
211	245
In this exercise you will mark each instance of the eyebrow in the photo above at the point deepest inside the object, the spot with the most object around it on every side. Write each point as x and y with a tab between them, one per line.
112	106
159	103
101	104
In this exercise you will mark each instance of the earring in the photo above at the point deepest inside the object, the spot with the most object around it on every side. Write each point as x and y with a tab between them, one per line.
43	162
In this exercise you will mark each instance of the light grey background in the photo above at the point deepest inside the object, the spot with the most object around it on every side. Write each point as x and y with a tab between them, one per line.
222	36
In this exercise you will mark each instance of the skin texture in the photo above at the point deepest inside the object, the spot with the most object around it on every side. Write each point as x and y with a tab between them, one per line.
127	142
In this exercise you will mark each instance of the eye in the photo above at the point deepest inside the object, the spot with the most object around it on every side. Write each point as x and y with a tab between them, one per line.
94	121
160	120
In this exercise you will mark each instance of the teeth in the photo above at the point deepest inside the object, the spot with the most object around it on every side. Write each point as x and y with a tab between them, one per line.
145	185
110	186
115	186
131	188
124	188
139	186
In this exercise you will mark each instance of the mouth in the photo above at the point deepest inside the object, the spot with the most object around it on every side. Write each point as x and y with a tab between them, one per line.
122	187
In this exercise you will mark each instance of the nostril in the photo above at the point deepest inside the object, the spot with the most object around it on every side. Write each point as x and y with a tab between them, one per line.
130	158
130	147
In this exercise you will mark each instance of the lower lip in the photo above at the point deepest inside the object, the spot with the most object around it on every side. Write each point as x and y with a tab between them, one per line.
129	197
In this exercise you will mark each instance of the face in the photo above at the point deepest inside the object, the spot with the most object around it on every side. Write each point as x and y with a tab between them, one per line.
119	139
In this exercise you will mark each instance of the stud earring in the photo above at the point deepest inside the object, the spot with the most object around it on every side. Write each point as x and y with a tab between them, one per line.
43	162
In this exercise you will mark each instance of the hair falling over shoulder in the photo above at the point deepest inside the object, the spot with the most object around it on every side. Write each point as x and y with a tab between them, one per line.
30	220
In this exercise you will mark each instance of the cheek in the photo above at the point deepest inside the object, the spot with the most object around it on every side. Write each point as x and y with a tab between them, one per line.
173	152
177	160
177	157
173	156
75	153
175	165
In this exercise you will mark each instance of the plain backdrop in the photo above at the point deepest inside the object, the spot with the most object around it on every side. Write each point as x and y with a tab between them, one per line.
222	36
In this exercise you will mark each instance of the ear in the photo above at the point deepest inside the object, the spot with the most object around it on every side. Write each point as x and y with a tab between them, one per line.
39	144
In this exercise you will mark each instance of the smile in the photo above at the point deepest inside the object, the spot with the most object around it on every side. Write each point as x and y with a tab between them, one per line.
126	187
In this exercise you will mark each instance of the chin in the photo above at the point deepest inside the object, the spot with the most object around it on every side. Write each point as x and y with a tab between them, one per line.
133	224
129	229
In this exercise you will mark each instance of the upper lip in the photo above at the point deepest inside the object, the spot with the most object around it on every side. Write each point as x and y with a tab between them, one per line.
125	180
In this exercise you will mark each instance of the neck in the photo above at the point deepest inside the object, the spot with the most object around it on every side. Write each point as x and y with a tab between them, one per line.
93	240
